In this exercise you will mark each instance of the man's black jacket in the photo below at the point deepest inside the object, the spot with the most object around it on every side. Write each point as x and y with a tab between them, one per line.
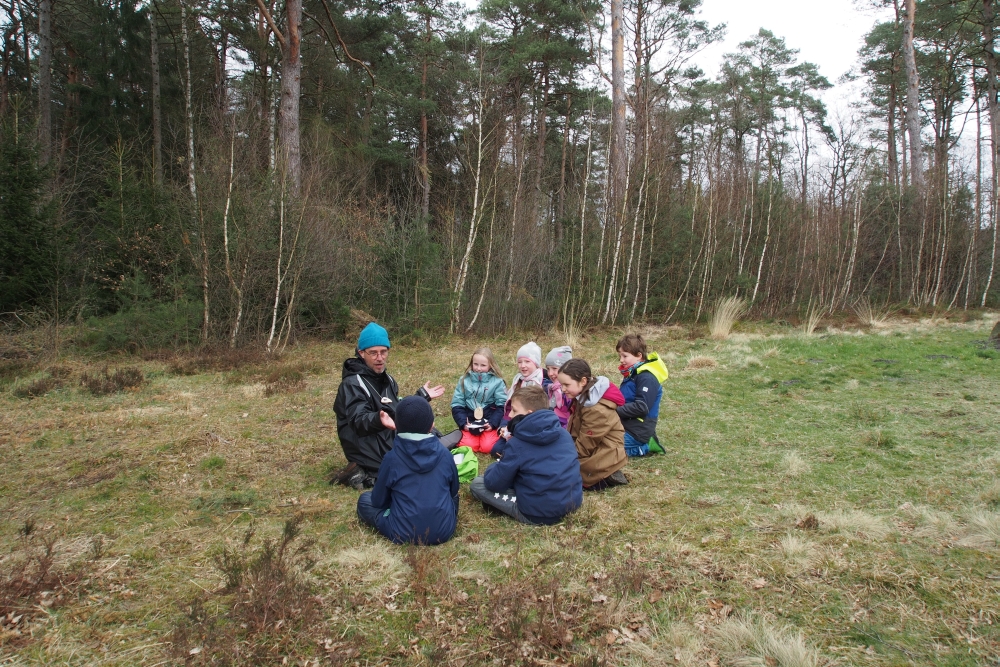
363	393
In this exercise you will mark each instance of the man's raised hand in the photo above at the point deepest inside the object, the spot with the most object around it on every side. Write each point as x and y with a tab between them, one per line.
434	392
386	420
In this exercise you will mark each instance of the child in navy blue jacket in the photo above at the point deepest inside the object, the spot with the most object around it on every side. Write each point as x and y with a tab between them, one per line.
643	375
415	499
538	479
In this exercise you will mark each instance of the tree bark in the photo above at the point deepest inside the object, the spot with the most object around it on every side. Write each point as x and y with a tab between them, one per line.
618	129
45	80
989	16
912	98
291	87
192	181
425	174
154	57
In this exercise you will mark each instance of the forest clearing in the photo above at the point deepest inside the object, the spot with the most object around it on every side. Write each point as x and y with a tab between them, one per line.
824	499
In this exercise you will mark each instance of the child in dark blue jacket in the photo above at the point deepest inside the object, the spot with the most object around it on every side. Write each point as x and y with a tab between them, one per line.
538	479
415	499
643	375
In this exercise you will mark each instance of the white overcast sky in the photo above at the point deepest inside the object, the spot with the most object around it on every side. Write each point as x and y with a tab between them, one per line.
826	32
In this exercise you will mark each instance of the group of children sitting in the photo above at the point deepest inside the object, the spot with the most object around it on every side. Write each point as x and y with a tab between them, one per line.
555	432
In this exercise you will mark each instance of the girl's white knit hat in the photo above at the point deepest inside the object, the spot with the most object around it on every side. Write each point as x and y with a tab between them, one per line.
531	351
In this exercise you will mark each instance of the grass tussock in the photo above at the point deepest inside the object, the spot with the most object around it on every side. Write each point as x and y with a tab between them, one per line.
931	523
105	382
854	522
870	315
793	465
751	641
798	550
879	439
701	362
983	531
727	313
991	495
809	323
865	413
370	567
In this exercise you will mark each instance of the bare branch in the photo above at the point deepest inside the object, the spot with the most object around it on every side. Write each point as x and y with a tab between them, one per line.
270	22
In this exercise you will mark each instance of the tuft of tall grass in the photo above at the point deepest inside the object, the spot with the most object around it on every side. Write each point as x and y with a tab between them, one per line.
701	361
752	640
727	313
983	531
813	316
870	315
793	465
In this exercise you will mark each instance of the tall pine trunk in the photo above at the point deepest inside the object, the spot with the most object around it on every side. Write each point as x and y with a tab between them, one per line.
912	99
989	35
44	80
154	60
291	87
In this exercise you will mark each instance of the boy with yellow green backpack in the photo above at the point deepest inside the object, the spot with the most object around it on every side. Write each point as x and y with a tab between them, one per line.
643	375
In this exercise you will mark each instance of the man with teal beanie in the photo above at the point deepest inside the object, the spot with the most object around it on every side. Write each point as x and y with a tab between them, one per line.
365	407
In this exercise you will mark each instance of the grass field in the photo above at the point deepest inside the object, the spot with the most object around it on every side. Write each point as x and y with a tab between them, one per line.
824	500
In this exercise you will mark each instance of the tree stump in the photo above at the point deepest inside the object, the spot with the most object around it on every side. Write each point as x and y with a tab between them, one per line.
995	336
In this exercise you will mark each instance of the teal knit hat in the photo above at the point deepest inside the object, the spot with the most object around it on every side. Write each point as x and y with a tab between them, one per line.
373	335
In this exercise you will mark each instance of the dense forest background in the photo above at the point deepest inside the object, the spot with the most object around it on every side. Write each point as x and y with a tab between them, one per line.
245	171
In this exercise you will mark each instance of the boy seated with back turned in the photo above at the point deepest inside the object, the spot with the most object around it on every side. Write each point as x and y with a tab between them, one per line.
538	479
415	499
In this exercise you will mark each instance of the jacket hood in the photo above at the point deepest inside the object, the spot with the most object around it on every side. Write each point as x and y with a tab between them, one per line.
357	366
602	388
541	427
655	366
418	455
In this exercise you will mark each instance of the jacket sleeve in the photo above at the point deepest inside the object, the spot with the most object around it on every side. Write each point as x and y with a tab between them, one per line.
494	415
382	493
646	388
458	398
635	409
500	476
500	394
460	415
454	486
358	409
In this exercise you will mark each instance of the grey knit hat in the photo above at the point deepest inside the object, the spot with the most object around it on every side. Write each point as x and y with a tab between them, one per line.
559	356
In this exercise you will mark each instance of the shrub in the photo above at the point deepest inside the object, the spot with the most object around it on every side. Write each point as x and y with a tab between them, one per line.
145	326
284	380
37	388
218	359
104	383
271	603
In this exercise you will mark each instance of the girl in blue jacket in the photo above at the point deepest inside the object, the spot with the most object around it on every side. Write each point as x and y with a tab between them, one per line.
478	403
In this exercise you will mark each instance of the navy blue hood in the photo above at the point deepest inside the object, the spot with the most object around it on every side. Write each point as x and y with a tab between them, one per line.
418	455
541	465
540	428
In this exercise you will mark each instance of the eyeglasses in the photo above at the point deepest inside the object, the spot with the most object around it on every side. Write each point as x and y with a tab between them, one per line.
376	354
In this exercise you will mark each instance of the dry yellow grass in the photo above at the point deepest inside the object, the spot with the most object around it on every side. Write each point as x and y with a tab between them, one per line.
701	362
727	313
